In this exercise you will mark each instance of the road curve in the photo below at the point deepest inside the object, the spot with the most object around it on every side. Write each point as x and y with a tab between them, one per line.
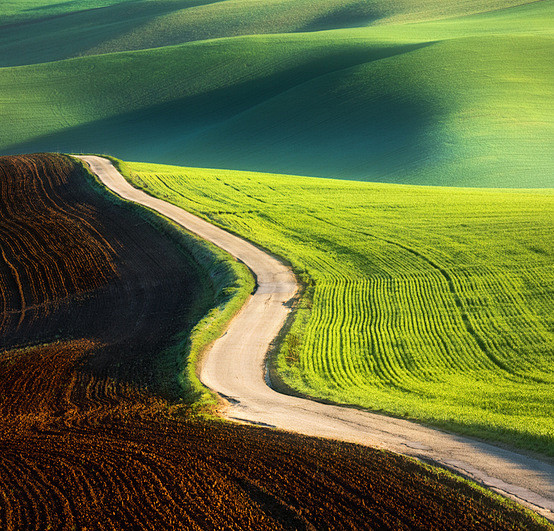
234	367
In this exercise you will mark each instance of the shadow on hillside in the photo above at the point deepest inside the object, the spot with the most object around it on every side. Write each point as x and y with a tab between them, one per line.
174	132
349	16
55	37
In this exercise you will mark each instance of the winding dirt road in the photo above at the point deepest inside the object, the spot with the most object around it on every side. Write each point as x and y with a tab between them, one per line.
234	367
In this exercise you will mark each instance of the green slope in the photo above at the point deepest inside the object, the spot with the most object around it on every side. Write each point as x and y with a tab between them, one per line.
453	101
426	302
46	31
408	118
13	11
178	89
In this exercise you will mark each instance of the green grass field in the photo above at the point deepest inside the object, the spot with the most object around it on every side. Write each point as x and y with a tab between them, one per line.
425	302
443	93
52	30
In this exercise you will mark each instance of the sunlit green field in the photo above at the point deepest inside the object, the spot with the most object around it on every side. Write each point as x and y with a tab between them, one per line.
425	302
419	92
52	30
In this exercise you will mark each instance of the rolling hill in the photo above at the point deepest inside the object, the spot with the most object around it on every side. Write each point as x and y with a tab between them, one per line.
435	95
58	30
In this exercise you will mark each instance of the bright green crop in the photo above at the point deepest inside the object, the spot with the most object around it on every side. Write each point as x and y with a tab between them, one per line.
425	302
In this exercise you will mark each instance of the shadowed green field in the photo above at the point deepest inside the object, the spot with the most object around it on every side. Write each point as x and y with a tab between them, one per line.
454	101
425	302
52	30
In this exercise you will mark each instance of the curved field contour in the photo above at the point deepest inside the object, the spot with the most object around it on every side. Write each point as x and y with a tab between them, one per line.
234	367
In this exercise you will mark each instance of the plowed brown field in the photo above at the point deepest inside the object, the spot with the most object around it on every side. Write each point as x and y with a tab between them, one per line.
91	295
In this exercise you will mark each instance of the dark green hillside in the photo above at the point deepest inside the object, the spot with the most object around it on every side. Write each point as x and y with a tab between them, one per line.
455	101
